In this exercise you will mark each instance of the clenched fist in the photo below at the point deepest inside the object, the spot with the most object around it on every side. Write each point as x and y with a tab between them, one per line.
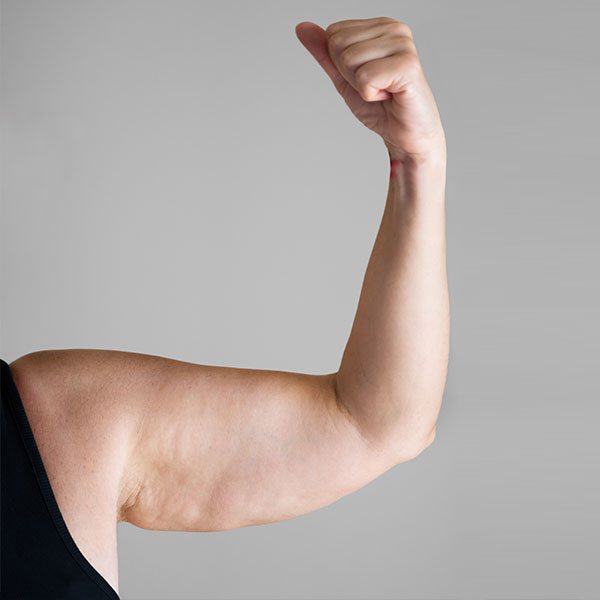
373	64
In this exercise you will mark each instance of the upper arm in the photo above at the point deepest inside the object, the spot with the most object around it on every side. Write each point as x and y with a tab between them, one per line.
216	448
205	448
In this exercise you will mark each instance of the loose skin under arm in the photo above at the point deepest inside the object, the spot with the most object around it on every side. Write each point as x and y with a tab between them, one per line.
393	371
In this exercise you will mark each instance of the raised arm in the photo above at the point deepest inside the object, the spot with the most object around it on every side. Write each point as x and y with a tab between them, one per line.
173	445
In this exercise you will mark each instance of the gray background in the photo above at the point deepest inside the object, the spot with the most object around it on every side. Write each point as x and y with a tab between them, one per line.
182	179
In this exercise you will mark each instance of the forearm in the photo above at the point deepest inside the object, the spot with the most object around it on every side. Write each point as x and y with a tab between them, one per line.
393	371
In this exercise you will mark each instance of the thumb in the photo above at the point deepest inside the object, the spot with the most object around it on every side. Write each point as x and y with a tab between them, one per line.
314	39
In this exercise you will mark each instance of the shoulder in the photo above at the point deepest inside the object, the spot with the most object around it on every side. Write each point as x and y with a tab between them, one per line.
82	431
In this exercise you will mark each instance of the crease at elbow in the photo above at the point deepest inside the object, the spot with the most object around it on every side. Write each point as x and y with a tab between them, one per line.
412	449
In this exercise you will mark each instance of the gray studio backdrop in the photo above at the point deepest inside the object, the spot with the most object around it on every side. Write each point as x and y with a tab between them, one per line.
182	179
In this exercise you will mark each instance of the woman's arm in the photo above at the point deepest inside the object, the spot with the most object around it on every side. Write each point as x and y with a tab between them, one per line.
172	445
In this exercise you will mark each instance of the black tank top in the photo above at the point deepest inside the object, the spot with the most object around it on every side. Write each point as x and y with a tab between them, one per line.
39	559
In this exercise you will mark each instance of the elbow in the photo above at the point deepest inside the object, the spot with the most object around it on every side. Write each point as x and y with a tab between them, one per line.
411	447
429	439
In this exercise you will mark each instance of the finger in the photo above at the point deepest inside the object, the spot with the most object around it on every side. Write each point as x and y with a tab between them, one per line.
355	55
352	47
314	40
390	74
339	40
342	38
358	22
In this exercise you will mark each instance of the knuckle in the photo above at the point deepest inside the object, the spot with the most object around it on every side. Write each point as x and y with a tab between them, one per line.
336	42
411	61
410	64
346	56
331	29
410	46
362	76
402	29
398	30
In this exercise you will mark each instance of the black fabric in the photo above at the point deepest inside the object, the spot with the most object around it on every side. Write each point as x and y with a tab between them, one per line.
39	559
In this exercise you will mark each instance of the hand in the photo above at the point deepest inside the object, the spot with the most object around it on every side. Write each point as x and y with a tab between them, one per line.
373	64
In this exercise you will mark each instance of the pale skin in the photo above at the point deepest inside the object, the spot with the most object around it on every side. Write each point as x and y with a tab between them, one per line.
171	445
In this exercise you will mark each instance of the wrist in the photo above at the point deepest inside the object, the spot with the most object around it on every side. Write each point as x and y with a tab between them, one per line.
433	158
414	178
430	167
